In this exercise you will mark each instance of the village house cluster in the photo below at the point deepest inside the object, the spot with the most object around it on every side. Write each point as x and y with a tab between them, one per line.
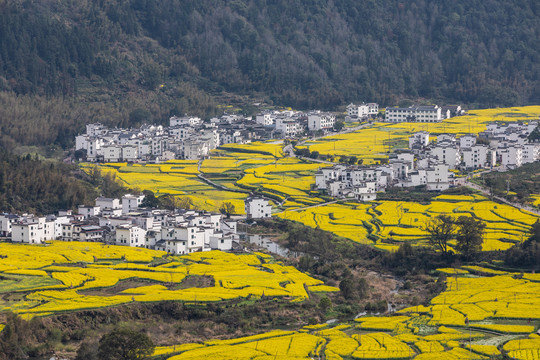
434	163
124	222
422	113
191	138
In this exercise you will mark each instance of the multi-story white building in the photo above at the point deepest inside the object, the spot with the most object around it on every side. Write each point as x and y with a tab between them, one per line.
111	153
131	202
511	156
320	121
182	239
530	153
357	111
437	178
108	203
363	110
257	208
130	235
288	127
33	230
420	138
367	191
89	211
447	154
477	157
6	222
430	113
467	141
265	119
184	120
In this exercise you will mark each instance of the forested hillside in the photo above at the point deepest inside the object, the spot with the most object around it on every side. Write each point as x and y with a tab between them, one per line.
120	57
29	185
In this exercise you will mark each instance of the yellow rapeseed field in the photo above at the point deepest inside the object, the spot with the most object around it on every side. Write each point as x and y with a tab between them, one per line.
438	331
389	223
69	276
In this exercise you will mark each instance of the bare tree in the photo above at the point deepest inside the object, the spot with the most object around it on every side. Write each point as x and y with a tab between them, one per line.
441	230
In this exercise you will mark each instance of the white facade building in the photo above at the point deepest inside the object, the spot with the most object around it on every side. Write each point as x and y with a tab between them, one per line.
131	202
476	157
320	121
108	203
467	141
33	231
89	211
184	120
430	113
288	127
447	154
130	235
265	119
438	178
257	208
367	191
530	153
511	157
420	138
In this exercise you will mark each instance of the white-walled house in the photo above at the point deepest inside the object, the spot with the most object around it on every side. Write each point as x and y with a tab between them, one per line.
420	138
363	110
257	208
33	230
108	203
429	113
88	211
111	153
320	121
184	120
467	141
131	202
511	156
438	178
476	157
530	153
366	191
265	119
182	239
288	127
6	222
447	154
130	235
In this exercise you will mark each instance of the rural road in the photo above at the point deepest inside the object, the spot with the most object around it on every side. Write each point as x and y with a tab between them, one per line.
487	192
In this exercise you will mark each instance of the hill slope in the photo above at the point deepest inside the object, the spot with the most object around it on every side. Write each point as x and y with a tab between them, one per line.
172	56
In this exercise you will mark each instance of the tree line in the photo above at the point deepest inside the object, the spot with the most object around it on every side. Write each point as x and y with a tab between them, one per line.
170	56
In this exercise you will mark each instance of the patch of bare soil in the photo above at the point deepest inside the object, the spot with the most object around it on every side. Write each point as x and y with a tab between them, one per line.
194	281
118	288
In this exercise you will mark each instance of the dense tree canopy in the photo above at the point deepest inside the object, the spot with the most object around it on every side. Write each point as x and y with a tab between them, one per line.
299	53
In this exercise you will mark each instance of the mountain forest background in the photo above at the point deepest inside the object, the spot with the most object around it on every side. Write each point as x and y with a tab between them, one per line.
65	63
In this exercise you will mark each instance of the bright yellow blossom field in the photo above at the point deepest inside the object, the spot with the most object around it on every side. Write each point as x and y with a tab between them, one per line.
494	306
70	276
385	223
234	170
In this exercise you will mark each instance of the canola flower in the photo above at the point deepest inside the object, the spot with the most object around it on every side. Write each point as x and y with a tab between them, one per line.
386	224
55	287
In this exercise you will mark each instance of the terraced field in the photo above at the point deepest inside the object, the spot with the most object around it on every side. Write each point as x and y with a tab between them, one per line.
386	224
70	276
502	312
